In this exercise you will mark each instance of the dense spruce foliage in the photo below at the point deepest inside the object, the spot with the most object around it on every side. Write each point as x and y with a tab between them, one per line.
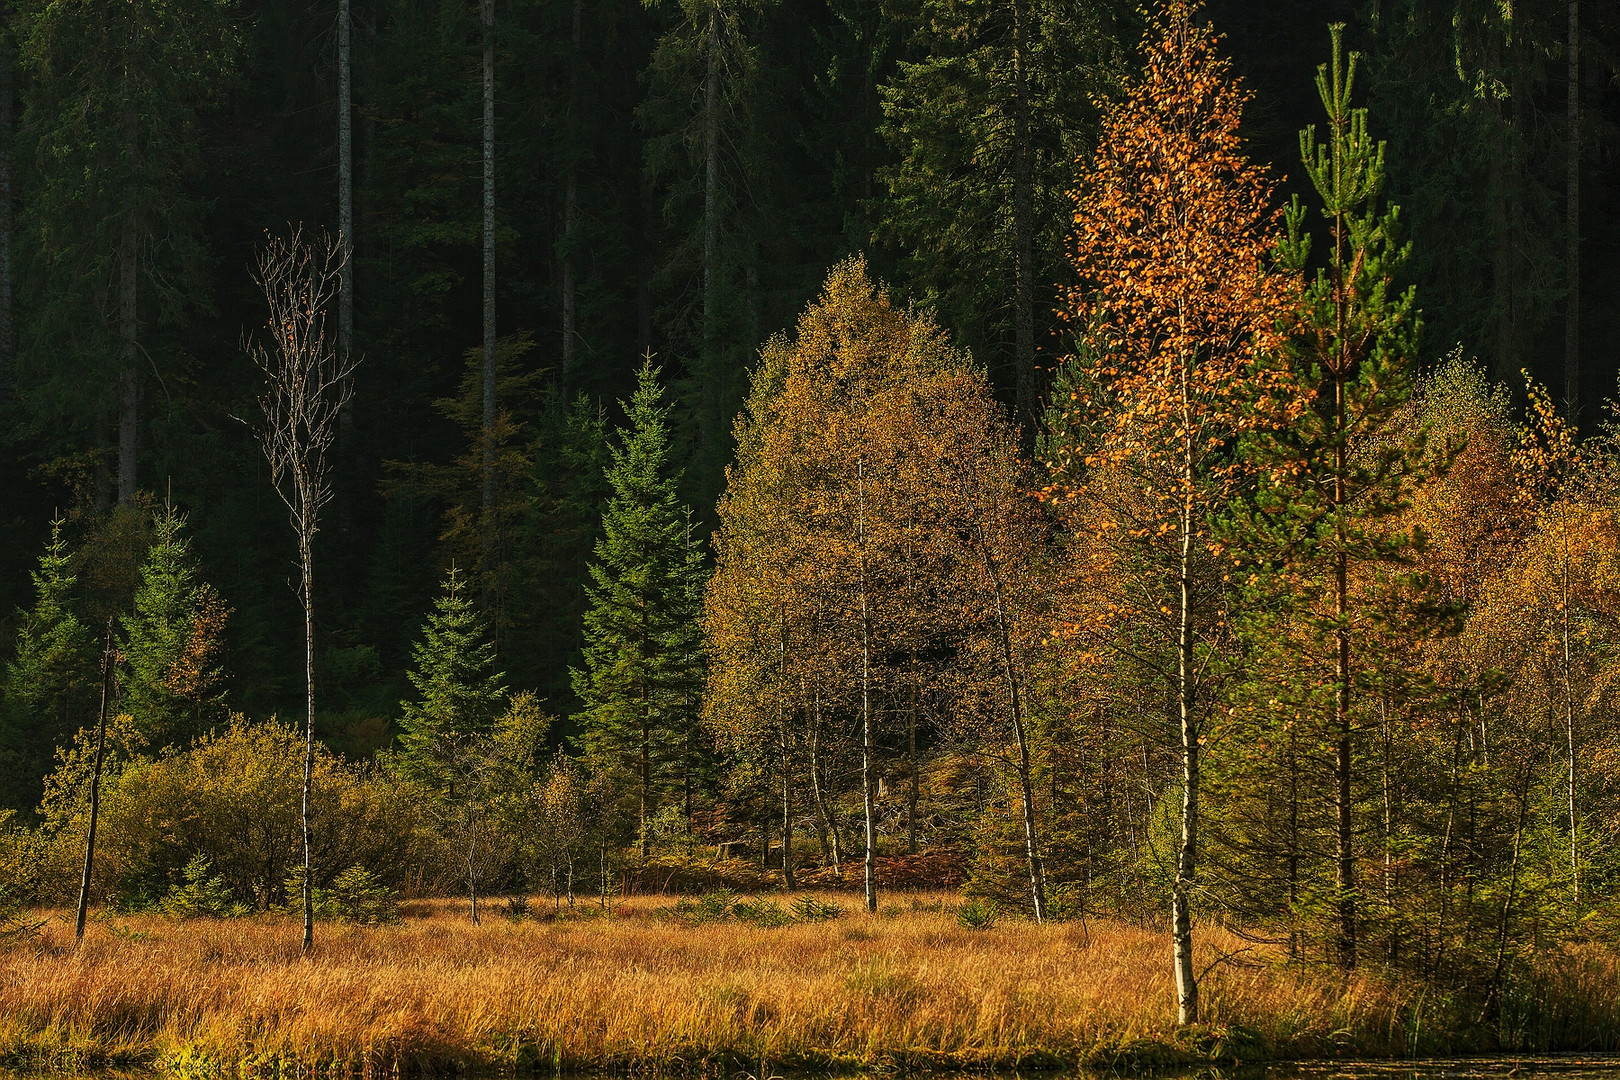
1040	447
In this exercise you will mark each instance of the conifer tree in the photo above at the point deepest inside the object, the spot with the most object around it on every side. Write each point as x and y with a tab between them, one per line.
173	683
1337	476
48	688
643	650
113	98
459	692
987	123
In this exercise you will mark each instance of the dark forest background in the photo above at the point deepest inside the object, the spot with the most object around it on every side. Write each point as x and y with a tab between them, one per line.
844	126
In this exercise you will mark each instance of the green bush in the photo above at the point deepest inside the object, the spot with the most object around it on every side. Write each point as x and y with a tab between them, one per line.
809	909
198	895
761	913
977	915
235	798
355	896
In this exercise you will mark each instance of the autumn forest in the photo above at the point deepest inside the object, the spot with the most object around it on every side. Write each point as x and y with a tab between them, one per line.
1150	476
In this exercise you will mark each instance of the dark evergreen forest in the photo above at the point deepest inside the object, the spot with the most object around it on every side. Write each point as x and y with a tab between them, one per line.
672	178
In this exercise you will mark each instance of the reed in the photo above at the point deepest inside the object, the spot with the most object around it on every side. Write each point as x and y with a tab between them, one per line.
907	990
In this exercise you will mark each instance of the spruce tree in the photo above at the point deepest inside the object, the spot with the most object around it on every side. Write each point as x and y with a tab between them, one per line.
173	683
459	692
643	647
49	683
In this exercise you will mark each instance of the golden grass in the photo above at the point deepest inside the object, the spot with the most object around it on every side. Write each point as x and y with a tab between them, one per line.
912	990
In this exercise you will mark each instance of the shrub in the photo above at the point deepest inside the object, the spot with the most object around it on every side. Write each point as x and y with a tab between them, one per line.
761	913
235	798
355	896
977	915
199	895
809	909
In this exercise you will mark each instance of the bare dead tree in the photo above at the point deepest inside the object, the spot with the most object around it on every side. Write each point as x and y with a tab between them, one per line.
109	658
308	382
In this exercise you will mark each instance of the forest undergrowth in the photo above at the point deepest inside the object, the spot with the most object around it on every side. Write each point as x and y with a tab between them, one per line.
656	984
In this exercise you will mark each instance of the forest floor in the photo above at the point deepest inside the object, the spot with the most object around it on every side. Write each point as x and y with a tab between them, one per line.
906	988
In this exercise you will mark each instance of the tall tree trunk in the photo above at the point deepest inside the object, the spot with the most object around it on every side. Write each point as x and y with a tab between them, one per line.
107	657
487	10
306	559
645	266
868	736
1569	741
8	346
1187	854
817	788
1572	217
711	230
129	383
1344	828
570	300
911	765
1023	214
1015	710
345	149
787	812
646	777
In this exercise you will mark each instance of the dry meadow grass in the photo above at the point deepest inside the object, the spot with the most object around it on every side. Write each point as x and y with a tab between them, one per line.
910	990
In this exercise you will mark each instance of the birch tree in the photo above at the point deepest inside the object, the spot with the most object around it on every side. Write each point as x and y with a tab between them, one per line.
308	382
1178	312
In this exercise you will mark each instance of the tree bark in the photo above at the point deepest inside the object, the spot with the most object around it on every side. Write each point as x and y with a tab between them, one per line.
1023	215
570	300
868	736
107	657
345	182
1572	217
487	11
1015	710
710	391
8	346
911	762
787	813
306	559
1187	854
816	768
129	385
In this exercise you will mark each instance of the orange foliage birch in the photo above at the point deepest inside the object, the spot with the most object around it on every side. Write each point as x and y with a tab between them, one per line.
1179	312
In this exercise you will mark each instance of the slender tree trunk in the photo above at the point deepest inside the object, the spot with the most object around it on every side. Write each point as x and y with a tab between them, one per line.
1344	834
345	149
646	777
8	345
710	390
306	559
1493	1001
645	266
1023	222
107	658
570	301
816	769
868	736
1015	710
1572	217
787	812
1187	854
711	178
911	760
1569	744
129	385
487	10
